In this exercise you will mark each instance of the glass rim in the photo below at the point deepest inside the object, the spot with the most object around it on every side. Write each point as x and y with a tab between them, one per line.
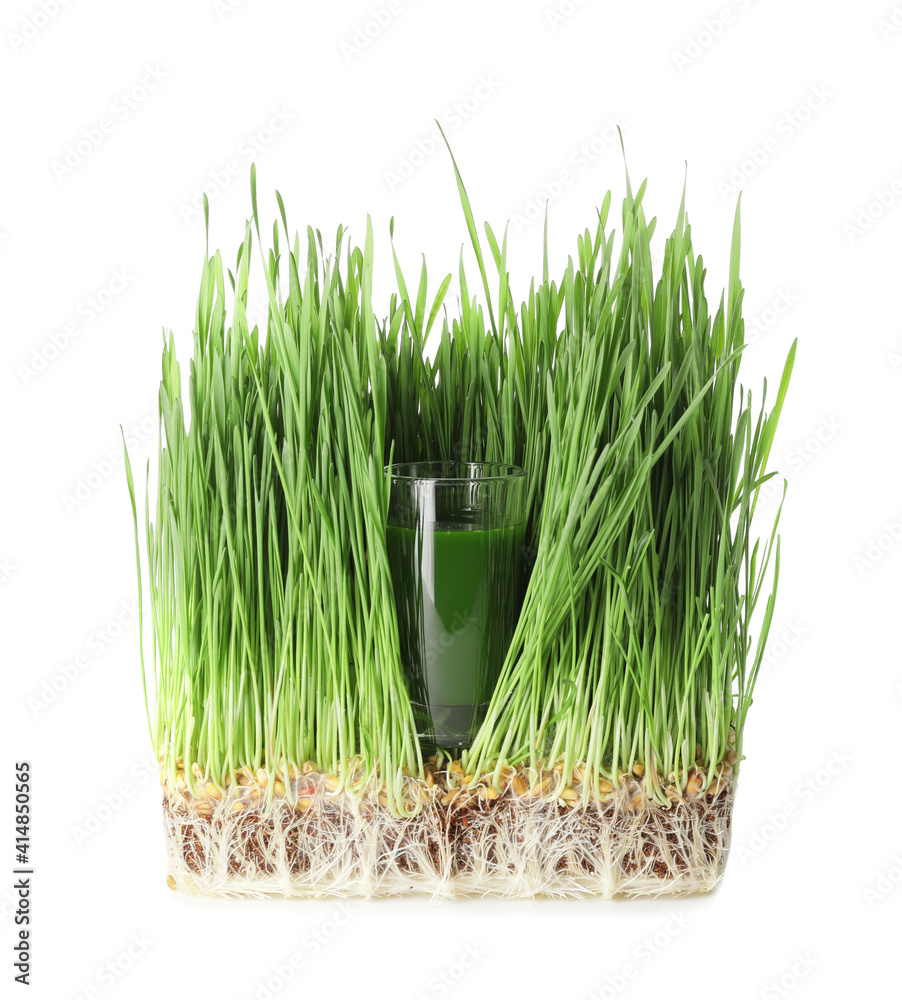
498	471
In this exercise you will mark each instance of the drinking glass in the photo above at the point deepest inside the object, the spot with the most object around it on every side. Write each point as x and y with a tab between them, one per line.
455	544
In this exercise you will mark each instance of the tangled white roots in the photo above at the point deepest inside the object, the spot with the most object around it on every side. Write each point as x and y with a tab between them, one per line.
319	842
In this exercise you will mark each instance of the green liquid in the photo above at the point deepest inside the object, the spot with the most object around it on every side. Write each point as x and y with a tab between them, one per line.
458	593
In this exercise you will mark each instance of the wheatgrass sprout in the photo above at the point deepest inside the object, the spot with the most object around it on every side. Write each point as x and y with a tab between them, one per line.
275	634
607	760
649	575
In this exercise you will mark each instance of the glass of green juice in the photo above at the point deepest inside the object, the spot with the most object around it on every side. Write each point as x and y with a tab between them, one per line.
456	532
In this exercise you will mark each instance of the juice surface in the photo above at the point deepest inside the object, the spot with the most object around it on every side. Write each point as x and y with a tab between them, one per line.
457	592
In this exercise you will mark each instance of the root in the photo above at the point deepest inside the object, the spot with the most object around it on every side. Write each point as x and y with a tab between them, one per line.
469	839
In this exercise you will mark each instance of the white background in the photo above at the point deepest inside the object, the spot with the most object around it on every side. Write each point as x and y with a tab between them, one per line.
796	103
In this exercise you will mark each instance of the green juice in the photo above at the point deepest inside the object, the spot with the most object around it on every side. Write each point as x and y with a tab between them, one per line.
457	591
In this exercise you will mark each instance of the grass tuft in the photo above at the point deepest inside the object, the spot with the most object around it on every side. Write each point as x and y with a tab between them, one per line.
275	634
